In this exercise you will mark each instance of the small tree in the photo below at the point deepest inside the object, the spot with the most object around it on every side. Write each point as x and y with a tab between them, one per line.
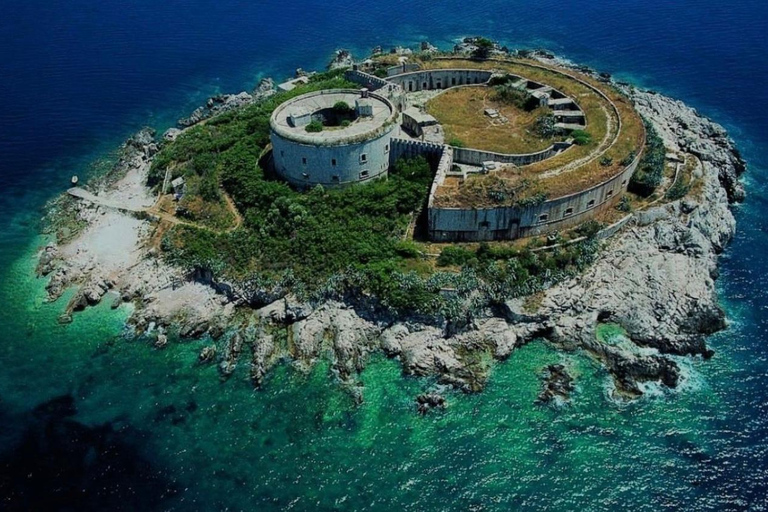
315	126
342	107
545	126
483	48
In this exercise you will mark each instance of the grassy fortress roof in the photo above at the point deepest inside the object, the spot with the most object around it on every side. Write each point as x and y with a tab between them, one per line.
616	135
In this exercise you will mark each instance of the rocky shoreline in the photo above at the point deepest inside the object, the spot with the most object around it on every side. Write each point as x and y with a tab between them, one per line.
655	278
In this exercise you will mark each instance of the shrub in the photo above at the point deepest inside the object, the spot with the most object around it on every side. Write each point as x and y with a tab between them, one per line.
345	123
407	249
581	137
678	190
483	48
545	126
315	126
650	171
606	161
519	98
454	255
342	107
501	80
589	229
625	205
456	142
629	159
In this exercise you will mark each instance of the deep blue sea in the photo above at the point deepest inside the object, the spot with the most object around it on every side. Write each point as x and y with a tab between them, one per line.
90	419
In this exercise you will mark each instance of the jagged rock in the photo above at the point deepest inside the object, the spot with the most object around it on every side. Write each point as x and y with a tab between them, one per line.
161	341
427	47
557	384
208	354
217	105
47	262
171	134
341	59
262	351
231	354
265	89
429	401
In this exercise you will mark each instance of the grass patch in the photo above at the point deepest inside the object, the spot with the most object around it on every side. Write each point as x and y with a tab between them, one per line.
461	112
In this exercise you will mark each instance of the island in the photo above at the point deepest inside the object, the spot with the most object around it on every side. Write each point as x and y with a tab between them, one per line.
444	208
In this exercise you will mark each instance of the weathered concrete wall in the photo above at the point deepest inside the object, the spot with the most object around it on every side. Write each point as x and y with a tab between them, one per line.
440	79
472	225
477	157
392	91
404	68
305	165
406	148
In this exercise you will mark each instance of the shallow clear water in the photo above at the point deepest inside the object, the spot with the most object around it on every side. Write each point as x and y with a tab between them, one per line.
154	430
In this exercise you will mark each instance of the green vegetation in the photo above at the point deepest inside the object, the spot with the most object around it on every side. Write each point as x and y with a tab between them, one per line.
483	48
581	137
342	243
545	126
519	98
342	107
650	170
315	126
625	204
677	191
454	256
456	142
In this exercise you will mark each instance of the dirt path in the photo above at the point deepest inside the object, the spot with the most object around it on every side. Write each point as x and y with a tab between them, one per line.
156	211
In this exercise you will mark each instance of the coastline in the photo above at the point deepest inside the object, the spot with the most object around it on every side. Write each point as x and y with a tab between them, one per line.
664	261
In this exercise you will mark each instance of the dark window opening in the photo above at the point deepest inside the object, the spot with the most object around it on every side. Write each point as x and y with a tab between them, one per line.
544	217
591	203
568	212
364	174
363	158
333	162
304	160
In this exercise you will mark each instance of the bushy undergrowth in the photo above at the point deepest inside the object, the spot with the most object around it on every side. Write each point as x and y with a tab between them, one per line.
650	170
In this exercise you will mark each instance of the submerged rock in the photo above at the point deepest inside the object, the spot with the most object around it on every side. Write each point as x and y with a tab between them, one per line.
429	401
557	384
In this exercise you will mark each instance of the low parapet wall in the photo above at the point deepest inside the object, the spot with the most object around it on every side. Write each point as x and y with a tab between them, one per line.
476	157
372	82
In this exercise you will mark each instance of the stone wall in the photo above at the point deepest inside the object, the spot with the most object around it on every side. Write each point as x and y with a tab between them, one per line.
393	92
406	148
472	225
440	79
307	165
476	157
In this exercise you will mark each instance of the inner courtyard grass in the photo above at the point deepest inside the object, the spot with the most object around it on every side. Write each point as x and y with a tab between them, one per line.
461	112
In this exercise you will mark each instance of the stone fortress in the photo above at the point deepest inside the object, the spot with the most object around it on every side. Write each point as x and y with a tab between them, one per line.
477	194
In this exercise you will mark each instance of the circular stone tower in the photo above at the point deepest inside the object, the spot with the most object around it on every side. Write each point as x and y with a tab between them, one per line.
352	146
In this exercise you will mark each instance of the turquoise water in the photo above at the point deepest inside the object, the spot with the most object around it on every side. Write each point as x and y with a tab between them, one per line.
150	429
